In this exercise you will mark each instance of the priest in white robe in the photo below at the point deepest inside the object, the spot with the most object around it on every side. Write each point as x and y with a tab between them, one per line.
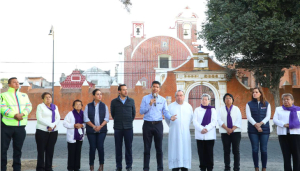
179	143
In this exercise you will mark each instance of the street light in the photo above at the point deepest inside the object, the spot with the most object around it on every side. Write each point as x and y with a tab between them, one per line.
52	34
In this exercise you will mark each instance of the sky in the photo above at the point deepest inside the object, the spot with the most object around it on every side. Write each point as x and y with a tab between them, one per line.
86	33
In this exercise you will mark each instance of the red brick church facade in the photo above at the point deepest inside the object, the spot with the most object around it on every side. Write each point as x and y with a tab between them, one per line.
144	56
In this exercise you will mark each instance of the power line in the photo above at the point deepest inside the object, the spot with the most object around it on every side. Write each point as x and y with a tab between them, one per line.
94	62
85	74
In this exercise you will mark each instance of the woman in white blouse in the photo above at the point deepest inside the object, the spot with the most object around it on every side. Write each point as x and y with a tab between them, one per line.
287	119
75	135
205	119
258	112
230	120
47	116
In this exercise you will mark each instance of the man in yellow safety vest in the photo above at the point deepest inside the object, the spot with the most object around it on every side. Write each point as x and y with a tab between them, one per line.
15	108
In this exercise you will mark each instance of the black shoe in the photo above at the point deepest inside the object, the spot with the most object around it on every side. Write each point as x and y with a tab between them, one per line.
129	169
118	169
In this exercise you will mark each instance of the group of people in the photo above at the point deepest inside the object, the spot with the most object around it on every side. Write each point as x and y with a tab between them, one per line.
15	107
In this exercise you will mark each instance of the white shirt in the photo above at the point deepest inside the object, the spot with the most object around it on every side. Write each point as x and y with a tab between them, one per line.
236	117
97	117
69	123
179	142
252	121
282	117
211	128
44	118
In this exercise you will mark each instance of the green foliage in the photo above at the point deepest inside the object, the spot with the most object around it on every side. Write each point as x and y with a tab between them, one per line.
230	71
254	30
262	36
127	4
4	82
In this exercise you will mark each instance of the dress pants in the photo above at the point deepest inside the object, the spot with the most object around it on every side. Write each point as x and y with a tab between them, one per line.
74	155
150	130
127	135
259	140
206	154
290	147
17	134
45	142
96	141
234	139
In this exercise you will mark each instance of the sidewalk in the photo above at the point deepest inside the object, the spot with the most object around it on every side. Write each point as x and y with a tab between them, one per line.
275	161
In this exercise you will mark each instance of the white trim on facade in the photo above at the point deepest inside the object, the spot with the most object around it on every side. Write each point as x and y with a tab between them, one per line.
137	46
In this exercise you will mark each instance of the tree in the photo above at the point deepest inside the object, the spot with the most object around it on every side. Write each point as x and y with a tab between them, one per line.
127	4
262	36
4	82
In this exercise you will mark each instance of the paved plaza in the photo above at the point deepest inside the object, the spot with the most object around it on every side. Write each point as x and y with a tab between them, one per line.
275	161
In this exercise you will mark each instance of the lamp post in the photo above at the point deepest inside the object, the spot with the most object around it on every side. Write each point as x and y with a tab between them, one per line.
52	34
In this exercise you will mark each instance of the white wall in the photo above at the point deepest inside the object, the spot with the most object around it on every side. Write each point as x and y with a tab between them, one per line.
137	126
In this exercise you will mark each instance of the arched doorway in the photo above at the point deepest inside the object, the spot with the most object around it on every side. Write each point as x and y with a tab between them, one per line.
196	93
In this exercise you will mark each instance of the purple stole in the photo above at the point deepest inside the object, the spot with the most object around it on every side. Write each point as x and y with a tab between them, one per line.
229	119
78	119
52	108
293	120
207	116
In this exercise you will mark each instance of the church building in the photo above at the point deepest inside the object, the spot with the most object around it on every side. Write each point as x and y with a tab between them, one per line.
148	59
174	61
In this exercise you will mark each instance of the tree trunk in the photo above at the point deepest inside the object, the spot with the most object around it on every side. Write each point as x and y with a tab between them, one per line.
275	91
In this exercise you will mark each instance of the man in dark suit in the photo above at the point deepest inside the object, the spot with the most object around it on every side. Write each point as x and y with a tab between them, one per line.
123	112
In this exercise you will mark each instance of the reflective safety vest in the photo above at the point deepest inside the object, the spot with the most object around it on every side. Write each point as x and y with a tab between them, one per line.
14	102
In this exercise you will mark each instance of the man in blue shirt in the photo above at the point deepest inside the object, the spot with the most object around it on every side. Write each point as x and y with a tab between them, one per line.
152	107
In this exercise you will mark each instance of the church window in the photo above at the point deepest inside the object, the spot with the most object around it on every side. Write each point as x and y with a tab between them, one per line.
187	31
144	83
245	81
294	78
75	78
164	62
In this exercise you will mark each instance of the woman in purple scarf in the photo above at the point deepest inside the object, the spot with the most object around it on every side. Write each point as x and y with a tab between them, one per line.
47	117
287	119
75	135
230	122
205	120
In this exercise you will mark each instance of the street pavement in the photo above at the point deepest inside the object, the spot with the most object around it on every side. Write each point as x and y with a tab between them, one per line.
275	160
